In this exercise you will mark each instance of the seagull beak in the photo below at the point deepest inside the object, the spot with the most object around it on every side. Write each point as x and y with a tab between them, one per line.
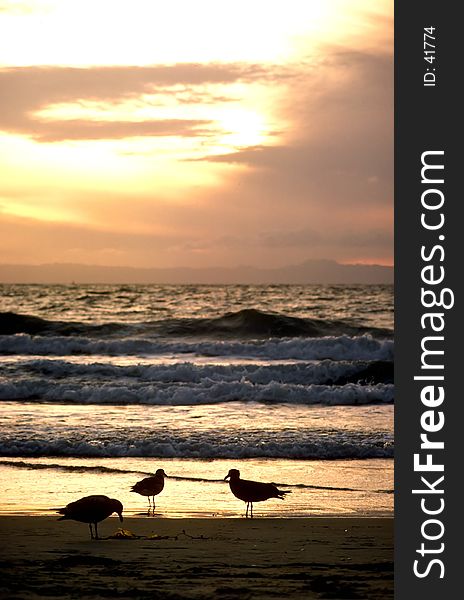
227	477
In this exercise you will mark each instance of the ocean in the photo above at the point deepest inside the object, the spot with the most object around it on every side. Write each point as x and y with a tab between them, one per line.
103	384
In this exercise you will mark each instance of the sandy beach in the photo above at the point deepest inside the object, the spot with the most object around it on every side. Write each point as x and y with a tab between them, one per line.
198	558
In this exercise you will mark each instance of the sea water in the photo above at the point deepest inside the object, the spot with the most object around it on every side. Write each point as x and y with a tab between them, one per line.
103	384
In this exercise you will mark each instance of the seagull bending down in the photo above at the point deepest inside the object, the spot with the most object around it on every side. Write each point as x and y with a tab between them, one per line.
91	510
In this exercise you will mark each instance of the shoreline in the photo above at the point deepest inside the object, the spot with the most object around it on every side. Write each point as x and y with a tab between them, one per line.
50	513
338	488
259	558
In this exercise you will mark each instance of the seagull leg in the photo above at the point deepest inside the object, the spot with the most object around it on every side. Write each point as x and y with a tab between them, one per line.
246	514
251	503
91	531
96	532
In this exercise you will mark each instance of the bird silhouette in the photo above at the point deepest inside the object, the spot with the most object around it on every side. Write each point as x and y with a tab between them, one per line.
252	491
91	510
150	487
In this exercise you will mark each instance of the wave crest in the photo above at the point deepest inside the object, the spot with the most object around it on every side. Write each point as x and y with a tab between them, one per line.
245	323
335	348
339	447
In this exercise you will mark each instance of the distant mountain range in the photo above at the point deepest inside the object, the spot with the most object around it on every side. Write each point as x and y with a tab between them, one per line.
311	271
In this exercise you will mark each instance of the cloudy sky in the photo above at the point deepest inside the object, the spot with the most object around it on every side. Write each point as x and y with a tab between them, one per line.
196	133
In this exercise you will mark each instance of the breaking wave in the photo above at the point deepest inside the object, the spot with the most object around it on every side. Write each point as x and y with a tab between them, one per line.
205	392
363	347
324	372
224	445
245	323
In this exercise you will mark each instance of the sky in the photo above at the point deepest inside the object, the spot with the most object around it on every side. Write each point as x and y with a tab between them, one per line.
196	133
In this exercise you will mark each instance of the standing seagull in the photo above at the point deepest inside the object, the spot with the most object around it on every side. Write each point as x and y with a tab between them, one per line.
151	487
252	491
91	509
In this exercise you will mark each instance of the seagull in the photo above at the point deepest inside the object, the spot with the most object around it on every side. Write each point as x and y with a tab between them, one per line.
252	491
91	509
150	486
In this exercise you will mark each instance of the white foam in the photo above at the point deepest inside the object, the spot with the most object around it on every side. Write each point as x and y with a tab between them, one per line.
206	392
187	372
174	446
336	348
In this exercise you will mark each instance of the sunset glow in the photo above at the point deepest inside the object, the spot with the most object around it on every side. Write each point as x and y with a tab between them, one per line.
175	125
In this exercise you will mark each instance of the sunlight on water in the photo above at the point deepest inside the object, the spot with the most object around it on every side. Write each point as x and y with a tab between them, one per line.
289	384
39	491
135	303
237	429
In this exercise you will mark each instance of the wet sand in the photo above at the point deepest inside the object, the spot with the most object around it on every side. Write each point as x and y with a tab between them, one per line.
198	559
